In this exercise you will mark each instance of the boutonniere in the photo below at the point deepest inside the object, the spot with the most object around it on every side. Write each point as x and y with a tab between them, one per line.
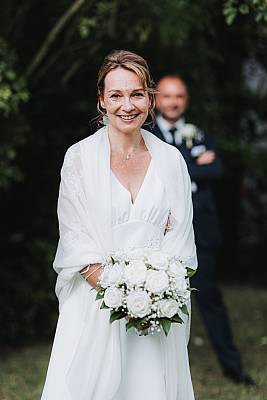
189	133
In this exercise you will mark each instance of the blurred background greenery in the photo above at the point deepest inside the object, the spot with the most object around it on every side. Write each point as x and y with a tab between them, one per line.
49	56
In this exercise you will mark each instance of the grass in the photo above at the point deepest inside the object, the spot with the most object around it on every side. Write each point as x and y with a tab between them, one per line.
22	372
248	309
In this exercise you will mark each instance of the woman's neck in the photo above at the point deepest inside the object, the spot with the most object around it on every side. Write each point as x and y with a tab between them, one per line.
124	142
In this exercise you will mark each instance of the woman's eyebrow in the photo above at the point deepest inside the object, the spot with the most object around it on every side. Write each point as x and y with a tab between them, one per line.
133	90
114	90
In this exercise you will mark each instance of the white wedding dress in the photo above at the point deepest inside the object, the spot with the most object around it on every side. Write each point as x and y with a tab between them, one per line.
152	367
140	225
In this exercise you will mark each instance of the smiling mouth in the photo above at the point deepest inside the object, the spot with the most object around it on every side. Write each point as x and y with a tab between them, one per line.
128	117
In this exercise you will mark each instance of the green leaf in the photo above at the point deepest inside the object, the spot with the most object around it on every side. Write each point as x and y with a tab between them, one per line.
190	272
103	305
115	315
177	319
130	324
244	9
100	295
166	324
184	310
230	18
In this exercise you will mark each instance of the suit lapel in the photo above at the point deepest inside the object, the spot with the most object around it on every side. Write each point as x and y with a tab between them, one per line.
158	132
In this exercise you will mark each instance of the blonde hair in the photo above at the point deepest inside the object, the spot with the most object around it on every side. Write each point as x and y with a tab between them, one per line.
132	62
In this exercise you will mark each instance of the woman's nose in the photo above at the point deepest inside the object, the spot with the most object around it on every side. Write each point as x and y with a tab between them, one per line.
127	104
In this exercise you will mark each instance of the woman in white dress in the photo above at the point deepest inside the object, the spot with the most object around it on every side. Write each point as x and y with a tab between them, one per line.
120	188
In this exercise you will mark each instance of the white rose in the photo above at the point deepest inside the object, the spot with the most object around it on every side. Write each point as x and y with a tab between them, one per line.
113	297
180	284
111	275
157	281
138	303
176	269
168	308
135	272
158	259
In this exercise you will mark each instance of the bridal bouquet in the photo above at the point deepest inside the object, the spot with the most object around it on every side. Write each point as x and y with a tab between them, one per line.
150	290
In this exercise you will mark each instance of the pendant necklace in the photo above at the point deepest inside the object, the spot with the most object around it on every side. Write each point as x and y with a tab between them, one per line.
129	154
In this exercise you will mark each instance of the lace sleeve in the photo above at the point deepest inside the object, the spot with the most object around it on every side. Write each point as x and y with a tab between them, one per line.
76	247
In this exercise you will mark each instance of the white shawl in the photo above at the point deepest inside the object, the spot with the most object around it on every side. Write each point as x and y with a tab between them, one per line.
84	212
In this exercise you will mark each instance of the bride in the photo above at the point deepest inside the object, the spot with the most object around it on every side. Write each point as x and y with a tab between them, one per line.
121	189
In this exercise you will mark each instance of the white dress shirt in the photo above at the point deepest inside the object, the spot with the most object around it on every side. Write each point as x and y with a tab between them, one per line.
165	127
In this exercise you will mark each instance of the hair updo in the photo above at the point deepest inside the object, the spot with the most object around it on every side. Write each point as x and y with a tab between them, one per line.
132	62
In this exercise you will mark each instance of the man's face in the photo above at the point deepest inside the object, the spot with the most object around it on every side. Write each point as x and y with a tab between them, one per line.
172	99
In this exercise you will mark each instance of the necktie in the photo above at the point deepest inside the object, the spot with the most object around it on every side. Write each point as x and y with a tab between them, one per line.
172	130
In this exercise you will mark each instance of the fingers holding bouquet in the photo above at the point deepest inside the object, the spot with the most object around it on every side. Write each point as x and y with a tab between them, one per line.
91	273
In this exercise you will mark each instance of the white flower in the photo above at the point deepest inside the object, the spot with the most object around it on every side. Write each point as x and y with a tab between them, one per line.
138	303
111	275
135	272
176	269
168	308
157	281
180	284
158	259
189	131
113	297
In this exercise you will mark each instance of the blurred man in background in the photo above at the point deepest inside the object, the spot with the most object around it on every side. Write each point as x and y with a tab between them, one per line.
204	166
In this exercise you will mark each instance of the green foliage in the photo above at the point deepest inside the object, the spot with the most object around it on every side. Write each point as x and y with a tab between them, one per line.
115	315
100	295
184	310
13	89
30	309
232	8
166	325
8	171
130	324
190	272
13	93
86	26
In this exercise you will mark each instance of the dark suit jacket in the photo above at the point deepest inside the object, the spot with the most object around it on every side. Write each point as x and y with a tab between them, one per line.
206	227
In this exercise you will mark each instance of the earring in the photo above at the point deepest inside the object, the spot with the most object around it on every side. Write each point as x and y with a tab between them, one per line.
105	120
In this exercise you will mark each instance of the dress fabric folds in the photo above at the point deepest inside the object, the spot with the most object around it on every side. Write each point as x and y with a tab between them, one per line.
92	359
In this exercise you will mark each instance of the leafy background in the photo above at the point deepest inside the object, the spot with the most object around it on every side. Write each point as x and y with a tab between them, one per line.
50	53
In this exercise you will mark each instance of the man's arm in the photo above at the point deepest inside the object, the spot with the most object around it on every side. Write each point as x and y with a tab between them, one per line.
206	167
204	172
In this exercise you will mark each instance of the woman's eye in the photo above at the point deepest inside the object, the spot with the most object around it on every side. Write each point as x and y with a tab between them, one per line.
115	96
139	94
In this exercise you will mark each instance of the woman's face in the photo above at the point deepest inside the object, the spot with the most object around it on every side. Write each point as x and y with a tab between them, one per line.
125	100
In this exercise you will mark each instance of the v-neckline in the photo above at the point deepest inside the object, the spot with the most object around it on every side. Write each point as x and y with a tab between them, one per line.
140	188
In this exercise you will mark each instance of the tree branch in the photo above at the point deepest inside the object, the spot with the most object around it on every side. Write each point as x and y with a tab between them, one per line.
52	35
71	71
53	59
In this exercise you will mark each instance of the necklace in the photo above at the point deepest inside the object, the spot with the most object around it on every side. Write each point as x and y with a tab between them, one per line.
130	153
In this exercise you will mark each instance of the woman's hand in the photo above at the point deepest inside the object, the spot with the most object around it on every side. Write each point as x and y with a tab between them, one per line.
93	277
